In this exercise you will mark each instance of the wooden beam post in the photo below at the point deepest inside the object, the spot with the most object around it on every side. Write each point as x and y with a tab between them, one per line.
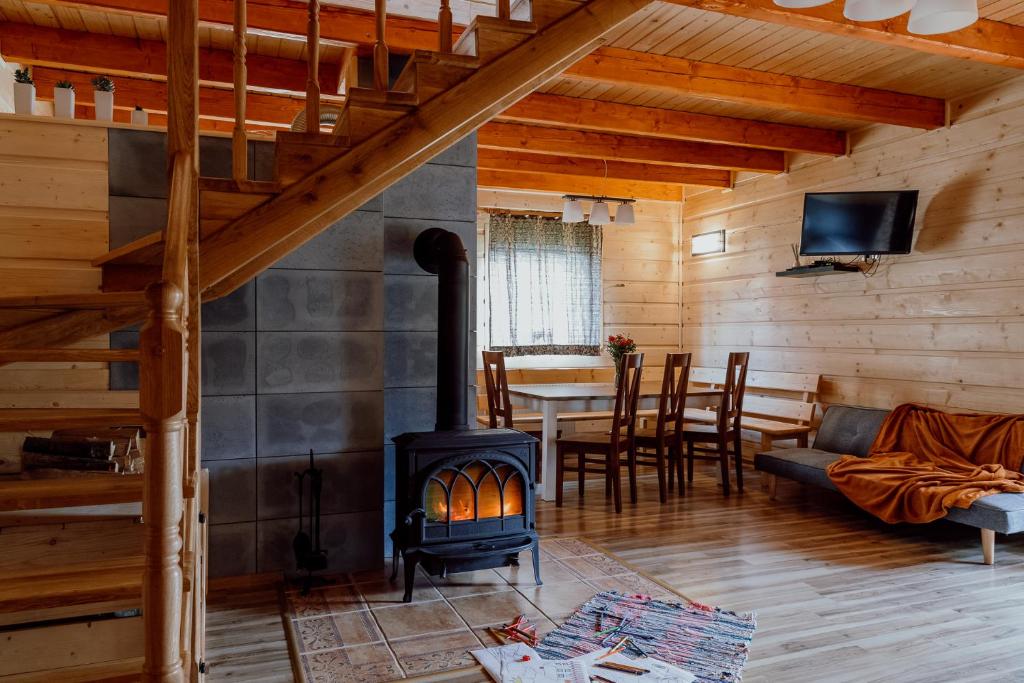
313	57
444	27
504	9
381	79
239	143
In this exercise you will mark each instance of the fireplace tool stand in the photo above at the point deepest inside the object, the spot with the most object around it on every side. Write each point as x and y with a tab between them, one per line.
309	556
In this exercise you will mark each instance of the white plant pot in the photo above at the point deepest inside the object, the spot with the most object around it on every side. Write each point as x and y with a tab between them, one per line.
64	103
24	98
104	105
140	117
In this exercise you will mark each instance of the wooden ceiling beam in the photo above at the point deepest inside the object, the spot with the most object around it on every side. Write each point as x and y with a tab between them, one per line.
214	103
337	23
569	184
98	53
517	137
611	117
986	41
525	162
746	86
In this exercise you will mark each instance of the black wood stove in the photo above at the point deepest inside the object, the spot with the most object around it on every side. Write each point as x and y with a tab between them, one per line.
464	497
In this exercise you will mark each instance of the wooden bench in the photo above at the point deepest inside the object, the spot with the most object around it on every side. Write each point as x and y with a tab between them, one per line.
777	405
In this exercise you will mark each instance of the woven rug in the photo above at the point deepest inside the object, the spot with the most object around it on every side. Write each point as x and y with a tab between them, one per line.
356	629
709	642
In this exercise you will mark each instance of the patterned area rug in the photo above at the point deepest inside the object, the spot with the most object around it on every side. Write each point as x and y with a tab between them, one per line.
357	629
709	642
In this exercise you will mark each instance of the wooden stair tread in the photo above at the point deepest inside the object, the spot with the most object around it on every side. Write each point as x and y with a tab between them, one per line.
71	491
79	584
68	355
506	25
76	301
18	419
382	99
137	251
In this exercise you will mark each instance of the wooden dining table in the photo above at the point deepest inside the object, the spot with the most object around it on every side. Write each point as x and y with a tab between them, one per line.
551	400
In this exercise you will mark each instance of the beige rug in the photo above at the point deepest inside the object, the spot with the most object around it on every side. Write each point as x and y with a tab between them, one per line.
359	630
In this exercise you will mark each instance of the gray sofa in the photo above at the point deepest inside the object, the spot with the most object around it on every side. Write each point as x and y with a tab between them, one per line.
847	430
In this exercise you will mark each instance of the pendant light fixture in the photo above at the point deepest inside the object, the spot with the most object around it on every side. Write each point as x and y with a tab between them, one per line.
572	210
876	10
930	17
599	214
624	215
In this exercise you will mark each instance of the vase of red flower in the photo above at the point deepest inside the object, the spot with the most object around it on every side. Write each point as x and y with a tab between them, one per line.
618	346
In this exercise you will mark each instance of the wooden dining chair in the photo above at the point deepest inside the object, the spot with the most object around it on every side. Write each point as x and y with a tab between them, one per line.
666	439
608	446
500	412
726	429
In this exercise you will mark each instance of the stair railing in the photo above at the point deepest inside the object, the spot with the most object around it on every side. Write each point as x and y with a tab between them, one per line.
504	9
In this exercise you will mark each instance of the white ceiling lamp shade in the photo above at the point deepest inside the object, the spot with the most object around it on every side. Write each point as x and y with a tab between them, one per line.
625	214
876	10
599	214
801	4
572	211
930	17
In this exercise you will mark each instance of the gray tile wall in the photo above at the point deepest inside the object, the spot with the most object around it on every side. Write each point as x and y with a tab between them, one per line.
333	349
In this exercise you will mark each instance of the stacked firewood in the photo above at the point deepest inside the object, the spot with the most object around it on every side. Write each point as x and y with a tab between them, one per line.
113	449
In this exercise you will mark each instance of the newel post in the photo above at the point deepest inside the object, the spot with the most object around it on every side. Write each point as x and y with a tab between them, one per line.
162	402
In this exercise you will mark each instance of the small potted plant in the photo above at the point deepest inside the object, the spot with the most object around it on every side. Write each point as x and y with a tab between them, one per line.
24	92
104	98
618	346
140	117
64	100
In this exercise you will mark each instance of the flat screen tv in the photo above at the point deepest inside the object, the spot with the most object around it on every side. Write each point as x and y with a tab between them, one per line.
858	223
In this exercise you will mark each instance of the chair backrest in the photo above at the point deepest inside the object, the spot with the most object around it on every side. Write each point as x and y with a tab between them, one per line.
627	396
735	386
496	379
673	392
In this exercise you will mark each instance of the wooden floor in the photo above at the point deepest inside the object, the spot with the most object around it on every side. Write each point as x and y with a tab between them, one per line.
839	595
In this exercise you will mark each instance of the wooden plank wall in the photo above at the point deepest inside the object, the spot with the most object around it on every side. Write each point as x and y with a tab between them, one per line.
53	221
943	326
640	271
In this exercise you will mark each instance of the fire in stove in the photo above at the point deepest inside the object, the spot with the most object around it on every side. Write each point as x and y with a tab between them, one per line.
478	491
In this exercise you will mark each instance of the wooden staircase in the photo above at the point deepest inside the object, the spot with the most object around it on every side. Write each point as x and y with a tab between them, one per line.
236	228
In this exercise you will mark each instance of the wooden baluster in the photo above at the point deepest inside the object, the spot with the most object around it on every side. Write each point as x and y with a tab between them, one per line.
239	146
162	400
444	22
381	80
313	60
504	9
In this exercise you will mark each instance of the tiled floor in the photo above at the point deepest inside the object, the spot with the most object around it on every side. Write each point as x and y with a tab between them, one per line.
358	629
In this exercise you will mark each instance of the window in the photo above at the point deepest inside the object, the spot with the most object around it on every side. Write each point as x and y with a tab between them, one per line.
544	282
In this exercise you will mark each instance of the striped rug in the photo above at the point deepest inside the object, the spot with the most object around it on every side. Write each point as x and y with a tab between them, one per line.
709	642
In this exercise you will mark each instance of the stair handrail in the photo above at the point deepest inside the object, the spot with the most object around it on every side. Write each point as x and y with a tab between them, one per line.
180	203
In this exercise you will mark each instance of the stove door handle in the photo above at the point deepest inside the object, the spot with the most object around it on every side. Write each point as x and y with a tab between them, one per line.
411	517
484	546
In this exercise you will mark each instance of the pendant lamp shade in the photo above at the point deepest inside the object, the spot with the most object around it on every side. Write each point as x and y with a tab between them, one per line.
625	215
876	10
930	17
801	4
572	211
599	214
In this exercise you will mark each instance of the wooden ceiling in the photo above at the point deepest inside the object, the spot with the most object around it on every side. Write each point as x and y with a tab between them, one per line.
678	61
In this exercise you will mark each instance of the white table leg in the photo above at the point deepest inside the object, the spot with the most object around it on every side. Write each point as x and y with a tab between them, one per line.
549	434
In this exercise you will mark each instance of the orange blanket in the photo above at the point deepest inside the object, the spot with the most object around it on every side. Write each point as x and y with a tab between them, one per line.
925	462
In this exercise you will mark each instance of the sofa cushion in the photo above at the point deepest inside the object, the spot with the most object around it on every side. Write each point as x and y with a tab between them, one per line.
849	430
805	465
1002	512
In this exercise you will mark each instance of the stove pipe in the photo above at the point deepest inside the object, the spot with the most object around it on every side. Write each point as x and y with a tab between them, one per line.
442	253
